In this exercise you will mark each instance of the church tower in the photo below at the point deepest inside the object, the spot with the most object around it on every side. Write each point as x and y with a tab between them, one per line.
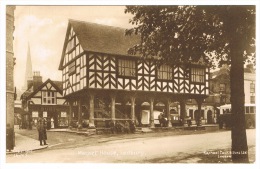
28	69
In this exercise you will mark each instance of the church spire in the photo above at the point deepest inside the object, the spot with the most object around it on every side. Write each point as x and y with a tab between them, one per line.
28	69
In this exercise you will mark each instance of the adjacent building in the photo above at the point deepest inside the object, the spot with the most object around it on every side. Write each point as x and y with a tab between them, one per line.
106	83
9	66
44	100
10	94
219	94
249	84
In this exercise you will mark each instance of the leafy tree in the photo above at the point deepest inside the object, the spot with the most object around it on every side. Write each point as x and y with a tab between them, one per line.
225	34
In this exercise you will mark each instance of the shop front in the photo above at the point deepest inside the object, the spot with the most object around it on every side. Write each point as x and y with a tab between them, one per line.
55	115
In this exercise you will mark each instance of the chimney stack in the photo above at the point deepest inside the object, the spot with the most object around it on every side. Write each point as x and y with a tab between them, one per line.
37	80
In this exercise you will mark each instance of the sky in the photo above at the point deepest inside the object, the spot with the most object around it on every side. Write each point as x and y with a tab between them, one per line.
44	29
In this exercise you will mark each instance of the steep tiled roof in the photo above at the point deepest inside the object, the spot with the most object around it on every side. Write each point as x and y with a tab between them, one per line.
102	38
56	84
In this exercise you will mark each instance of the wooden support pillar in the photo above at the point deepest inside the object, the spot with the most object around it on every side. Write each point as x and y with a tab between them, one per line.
91	110
183	112
133	108
79	114
198	118
168	102
30	120
113	107
151	113
70	113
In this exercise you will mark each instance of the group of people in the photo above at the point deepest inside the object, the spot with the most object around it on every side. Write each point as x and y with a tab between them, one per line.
126	127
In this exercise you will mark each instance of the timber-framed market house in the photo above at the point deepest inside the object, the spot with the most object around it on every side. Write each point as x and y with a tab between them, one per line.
106	83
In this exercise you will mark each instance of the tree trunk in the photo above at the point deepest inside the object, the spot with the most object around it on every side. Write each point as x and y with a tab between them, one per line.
238	133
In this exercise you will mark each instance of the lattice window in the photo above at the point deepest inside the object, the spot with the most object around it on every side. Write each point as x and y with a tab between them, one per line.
198	75
164	72
72	68
48	97
126	68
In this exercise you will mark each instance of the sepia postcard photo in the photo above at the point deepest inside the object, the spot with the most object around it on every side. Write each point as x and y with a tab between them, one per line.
130	84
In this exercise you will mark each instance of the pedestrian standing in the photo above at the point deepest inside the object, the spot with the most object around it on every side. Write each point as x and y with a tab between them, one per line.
42	131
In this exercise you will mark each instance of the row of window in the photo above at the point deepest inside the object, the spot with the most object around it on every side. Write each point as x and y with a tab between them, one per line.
222	87
127	68
222	90
164	72
45	114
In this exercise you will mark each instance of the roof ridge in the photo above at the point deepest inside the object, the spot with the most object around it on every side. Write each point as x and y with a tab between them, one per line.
93	23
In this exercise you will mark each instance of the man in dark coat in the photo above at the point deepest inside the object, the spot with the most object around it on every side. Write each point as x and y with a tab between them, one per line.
42	131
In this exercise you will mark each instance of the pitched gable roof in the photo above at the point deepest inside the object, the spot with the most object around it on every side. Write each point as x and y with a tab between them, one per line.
55	84
100	38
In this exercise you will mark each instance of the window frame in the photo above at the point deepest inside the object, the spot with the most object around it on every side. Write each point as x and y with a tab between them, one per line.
126	63
252	87
52	97
72	64
203	75
166	69
252	101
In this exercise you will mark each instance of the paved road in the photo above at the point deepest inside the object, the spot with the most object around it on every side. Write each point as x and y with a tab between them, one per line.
168	149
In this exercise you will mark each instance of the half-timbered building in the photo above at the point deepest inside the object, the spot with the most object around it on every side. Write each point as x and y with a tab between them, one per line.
106	83
45	100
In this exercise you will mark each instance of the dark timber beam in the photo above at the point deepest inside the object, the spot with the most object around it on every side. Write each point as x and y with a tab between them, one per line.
79	113
70	112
